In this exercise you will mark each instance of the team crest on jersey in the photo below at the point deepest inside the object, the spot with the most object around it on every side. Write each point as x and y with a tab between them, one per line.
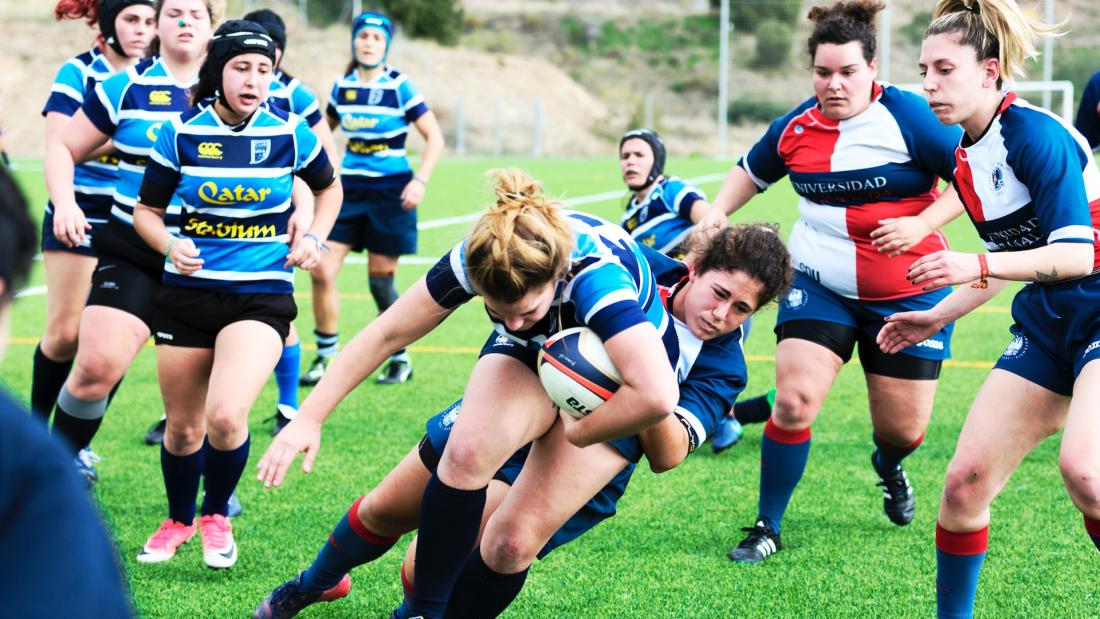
375	97
1016	348
796	298
160	97
210	150
350	95
261	149
798	129
997	179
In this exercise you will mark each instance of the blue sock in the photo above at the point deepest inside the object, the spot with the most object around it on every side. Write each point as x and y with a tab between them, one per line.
1093	528
888	456
449	522
349	545
221	471
783	456
181	483
754	410
403	611
482	592
327	343
959	558
286	374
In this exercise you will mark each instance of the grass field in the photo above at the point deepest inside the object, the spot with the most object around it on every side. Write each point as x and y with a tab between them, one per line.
664	555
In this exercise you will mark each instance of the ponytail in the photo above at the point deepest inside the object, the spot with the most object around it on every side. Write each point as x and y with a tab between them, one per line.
994	29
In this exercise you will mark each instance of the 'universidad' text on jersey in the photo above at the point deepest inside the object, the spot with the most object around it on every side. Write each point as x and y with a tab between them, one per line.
375	116
849	175
663	219
609	288
235	187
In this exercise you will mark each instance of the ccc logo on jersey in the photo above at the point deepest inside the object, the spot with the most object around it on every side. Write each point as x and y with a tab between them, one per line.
160	97
152	131
210	150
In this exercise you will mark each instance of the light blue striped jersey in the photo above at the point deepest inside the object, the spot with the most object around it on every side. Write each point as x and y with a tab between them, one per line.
375	116
290	94
131	107
663	219
609	288
235	187
76	78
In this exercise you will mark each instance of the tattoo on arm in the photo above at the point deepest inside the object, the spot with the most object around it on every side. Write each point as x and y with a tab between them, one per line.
1047	277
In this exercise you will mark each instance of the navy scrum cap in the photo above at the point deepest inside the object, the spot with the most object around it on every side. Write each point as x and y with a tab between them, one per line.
108	13
271	22
655	142
233	38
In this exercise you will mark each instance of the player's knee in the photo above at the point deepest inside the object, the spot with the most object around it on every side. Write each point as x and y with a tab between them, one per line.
1082	481
60	339
183	436
794	409
324	274
224	421
510	551
464	464
964	488
380	518
94	374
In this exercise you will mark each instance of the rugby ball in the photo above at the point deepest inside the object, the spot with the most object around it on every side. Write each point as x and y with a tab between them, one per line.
576	372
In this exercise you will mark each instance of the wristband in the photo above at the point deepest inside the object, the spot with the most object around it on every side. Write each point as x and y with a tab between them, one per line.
320	244
168	250
983	264
420	179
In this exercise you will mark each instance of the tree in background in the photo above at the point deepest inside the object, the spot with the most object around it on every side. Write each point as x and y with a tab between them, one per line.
747	15
439	20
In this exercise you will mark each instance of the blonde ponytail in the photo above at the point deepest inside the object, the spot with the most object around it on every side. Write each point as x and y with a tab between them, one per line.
520	242
995	29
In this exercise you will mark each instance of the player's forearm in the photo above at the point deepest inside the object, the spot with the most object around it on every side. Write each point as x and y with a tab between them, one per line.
59	168
964	300
665	444
326	209
944	210
149	224
736	190
1049	263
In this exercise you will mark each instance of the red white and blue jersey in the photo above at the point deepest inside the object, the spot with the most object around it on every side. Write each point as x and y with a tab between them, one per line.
849	174
1029	181
290	94
75	78
663	219
711	373
609	287
1088	113
235	186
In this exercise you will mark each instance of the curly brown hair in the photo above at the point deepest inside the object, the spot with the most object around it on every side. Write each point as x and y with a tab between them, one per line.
845	22
754	249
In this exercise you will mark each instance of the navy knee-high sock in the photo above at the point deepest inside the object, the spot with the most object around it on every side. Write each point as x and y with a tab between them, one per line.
403	611
449	522
959	558
221	471
384	290
783	456
349	545
47	379
1093	528
181	483
481	592
888	456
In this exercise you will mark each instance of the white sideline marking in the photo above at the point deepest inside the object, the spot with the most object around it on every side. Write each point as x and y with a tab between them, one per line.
452	221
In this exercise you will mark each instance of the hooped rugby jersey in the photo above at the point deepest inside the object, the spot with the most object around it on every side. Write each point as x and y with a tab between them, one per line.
376	116
131	107
290	94
849	174
663	219
1029	181
74	80
609	287
711	373
235	188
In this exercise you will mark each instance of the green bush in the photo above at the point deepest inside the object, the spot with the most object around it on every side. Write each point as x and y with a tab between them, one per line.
575	30
913	32
773	44
754	108
749	15
438	20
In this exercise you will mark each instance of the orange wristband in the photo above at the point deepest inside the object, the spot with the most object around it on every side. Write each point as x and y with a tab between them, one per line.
983	264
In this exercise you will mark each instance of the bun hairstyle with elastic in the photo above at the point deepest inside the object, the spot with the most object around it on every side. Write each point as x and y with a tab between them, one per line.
843	23
520	242
752	248
994	29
